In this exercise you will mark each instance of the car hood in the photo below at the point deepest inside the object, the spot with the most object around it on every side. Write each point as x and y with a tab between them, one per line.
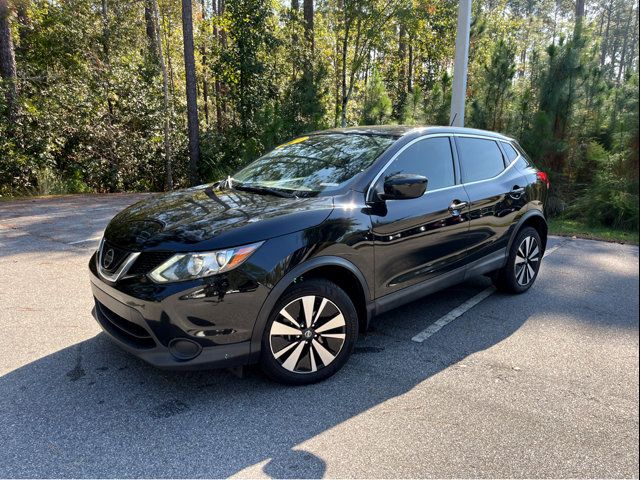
207	218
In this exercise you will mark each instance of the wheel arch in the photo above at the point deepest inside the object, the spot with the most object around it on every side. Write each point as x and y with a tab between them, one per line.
535	219
335	269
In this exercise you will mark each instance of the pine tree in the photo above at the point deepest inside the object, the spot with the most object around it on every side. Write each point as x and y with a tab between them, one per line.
377	105
8	63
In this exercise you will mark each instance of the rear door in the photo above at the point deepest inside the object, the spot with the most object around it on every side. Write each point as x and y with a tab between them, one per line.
420	238
496	190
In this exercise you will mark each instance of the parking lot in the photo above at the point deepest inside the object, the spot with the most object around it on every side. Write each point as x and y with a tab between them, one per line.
539	385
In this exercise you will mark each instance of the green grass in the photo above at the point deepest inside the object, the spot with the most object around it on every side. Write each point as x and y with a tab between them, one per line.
574	228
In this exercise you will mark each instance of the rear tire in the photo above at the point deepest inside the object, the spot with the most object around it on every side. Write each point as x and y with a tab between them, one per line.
310	334
523	264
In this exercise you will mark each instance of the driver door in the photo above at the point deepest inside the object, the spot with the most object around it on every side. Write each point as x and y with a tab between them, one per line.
418	239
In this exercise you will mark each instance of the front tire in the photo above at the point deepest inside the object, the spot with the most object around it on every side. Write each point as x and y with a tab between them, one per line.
310	334
523	263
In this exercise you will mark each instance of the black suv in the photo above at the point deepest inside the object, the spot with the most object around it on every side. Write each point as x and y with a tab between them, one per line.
288	260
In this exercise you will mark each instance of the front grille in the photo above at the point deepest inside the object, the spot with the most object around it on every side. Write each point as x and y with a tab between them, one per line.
147	261
112	257
128	332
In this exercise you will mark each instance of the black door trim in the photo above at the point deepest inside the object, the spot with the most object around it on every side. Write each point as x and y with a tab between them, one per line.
494	261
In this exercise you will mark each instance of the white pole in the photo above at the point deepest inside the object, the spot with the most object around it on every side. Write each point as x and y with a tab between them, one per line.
462	60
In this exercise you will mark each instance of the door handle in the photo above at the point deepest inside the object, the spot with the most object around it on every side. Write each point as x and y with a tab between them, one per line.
516	191
456	206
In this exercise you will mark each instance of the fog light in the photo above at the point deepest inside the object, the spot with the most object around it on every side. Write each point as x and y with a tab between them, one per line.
183	349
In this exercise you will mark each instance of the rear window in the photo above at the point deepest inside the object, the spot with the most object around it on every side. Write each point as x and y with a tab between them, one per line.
480	159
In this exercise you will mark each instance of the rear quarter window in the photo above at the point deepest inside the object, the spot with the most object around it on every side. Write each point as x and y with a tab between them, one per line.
509	151
524	161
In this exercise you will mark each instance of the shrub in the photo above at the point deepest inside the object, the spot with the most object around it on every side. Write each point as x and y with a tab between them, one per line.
611	198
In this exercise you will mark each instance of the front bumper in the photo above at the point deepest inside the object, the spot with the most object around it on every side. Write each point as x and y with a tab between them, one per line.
166	334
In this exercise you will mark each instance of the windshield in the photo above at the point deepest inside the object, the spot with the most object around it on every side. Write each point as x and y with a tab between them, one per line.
314	164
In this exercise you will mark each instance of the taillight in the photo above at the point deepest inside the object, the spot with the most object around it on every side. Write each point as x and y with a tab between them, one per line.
543	177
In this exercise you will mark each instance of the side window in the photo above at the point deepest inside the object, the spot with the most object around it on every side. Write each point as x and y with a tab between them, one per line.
525	160
509	151
431	157
479	159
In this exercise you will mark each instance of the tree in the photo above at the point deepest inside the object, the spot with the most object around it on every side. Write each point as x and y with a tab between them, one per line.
488	113
152	18
204	59
308	24
8	63
192	94
360	23
220	42
377	104
90	99
246	72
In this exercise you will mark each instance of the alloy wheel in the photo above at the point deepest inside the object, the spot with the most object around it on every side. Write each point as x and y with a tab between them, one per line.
307	334
527	261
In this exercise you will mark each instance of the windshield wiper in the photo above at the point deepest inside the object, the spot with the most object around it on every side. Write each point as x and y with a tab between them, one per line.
227	182
262	190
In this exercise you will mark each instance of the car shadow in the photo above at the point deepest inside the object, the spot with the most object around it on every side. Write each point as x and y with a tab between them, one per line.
92	410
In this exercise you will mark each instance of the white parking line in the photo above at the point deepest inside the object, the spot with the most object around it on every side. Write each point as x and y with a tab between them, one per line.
549	251
85	240
465	307
453	314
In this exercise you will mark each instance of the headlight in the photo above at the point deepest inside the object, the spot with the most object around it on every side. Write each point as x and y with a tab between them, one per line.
189	266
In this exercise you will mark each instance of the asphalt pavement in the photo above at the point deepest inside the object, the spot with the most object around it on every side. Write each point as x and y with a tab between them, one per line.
543	384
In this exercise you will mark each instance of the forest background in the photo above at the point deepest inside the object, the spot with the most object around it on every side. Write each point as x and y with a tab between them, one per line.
148	95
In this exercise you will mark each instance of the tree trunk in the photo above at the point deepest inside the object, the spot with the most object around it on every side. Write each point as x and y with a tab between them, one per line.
203	54
106	52
150	27
166	25
152	32
410	69
555	23
343	78
401	98
336	113
308	24
577	30
220	38
605	40
402	57
616	45
523	55
295	5
192	94
629	67
367	68
152	17
579	9
625	43
8	71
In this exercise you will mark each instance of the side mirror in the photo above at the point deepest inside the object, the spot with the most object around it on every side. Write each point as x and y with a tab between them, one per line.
404	186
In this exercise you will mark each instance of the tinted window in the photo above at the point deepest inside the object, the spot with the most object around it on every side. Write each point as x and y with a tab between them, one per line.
431	158
524	157
316	163
479	159
509	151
